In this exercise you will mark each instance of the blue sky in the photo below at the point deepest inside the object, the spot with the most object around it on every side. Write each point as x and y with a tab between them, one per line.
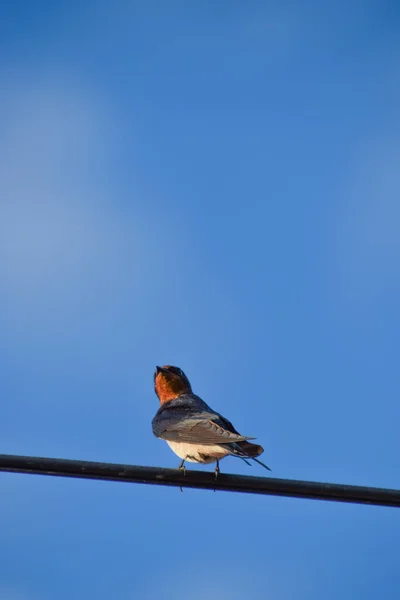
216	186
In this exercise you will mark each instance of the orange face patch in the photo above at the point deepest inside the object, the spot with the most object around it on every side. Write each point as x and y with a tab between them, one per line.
169	386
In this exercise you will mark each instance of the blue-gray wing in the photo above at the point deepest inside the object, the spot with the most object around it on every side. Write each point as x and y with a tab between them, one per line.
194	428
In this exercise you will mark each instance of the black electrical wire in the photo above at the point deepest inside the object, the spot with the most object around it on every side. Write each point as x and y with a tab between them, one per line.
199	479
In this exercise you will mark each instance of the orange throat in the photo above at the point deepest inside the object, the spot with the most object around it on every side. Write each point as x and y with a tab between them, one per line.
168	390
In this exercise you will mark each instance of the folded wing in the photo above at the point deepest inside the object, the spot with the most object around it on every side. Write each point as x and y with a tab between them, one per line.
205	428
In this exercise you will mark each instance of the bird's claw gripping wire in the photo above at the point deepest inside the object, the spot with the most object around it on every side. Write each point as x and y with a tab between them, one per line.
183	469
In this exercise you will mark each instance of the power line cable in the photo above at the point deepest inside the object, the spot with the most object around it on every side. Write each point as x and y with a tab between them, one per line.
199	479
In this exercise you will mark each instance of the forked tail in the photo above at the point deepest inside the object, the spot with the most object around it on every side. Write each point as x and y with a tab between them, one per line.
248	450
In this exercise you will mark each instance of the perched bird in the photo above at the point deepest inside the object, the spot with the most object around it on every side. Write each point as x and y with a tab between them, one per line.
193	430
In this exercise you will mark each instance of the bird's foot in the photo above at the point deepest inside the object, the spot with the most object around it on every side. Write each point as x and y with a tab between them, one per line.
183	469
217	471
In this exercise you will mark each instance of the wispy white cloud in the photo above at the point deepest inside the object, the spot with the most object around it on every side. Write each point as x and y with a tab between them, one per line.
229	581
64	236
52	214
191	586
369	227
15	593
367	237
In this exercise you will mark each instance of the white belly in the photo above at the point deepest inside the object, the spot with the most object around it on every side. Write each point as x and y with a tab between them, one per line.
198	453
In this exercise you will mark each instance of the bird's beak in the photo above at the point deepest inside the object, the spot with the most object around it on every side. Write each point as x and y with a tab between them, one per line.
160	370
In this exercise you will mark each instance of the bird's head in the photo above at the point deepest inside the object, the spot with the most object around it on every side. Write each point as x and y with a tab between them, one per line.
170	382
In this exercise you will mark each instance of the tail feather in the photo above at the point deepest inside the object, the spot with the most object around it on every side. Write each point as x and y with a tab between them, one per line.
262	464
248	450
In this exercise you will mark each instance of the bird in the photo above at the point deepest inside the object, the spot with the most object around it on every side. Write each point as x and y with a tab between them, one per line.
191	428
